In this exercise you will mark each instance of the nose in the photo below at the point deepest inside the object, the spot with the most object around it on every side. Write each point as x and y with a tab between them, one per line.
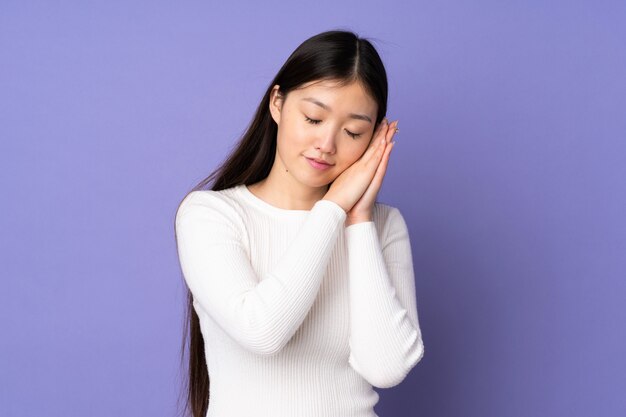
326	142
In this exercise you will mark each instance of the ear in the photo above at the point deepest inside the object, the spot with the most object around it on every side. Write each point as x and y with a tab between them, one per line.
276	103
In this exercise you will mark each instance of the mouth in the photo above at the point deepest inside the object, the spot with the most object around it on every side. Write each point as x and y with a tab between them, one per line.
318	164
319	161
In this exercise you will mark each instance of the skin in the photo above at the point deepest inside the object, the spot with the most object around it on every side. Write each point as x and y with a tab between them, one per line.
293	184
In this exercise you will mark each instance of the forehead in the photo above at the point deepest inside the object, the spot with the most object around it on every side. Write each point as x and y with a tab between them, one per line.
351	96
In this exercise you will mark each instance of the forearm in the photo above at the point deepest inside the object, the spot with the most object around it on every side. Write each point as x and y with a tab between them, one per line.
385	341
260	312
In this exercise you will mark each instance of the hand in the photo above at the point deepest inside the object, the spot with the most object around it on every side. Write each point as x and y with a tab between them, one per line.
362	210
352	183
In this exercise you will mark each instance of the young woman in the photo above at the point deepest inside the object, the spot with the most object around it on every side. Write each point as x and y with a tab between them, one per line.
301	287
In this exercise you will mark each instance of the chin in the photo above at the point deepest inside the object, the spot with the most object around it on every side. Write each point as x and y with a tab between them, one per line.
317	183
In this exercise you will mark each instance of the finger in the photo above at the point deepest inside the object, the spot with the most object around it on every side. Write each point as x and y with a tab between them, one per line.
380	152
375	152
377	133
392	131
382	167
379	174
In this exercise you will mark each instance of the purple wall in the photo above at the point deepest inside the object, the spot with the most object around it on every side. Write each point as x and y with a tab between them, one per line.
510	169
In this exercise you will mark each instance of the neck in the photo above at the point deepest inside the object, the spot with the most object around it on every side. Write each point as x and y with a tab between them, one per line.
282	190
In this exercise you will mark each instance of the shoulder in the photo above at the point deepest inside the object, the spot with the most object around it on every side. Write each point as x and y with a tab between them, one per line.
386	213
210	205
388	219
203	198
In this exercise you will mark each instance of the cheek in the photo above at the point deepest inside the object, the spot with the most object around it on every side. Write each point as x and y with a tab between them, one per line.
290	141
351	156
357	151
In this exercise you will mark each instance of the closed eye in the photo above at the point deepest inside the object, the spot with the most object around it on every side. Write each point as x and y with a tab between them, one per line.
314	122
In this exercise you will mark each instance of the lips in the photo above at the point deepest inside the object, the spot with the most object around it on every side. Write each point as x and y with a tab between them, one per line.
319	161
314	162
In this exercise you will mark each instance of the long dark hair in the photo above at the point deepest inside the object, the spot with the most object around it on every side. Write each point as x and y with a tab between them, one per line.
335	55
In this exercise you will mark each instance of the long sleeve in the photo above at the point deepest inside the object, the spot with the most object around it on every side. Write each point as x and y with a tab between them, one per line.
385	337
260	313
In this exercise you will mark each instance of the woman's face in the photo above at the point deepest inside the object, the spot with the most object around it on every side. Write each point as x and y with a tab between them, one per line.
325	121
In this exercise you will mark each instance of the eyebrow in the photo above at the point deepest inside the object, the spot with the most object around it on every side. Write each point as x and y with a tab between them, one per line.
326	107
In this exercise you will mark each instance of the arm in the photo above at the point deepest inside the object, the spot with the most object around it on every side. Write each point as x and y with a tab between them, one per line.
261	316
385	337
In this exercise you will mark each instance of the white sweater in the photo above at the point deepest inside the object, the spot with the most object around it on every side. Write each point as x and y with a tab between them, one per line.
300	314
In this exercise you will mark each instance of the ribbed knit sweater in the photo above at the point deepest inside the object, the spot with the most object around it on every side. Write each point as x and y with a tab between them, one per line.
300	314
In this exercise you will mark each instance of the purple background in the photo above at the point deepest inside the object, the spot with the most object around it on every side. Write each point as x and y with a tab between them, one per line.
510	170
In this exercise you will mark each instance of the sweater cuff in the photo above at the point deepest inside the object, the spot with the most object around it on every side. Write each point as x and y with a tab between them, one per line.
362	237
362	229
335	209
